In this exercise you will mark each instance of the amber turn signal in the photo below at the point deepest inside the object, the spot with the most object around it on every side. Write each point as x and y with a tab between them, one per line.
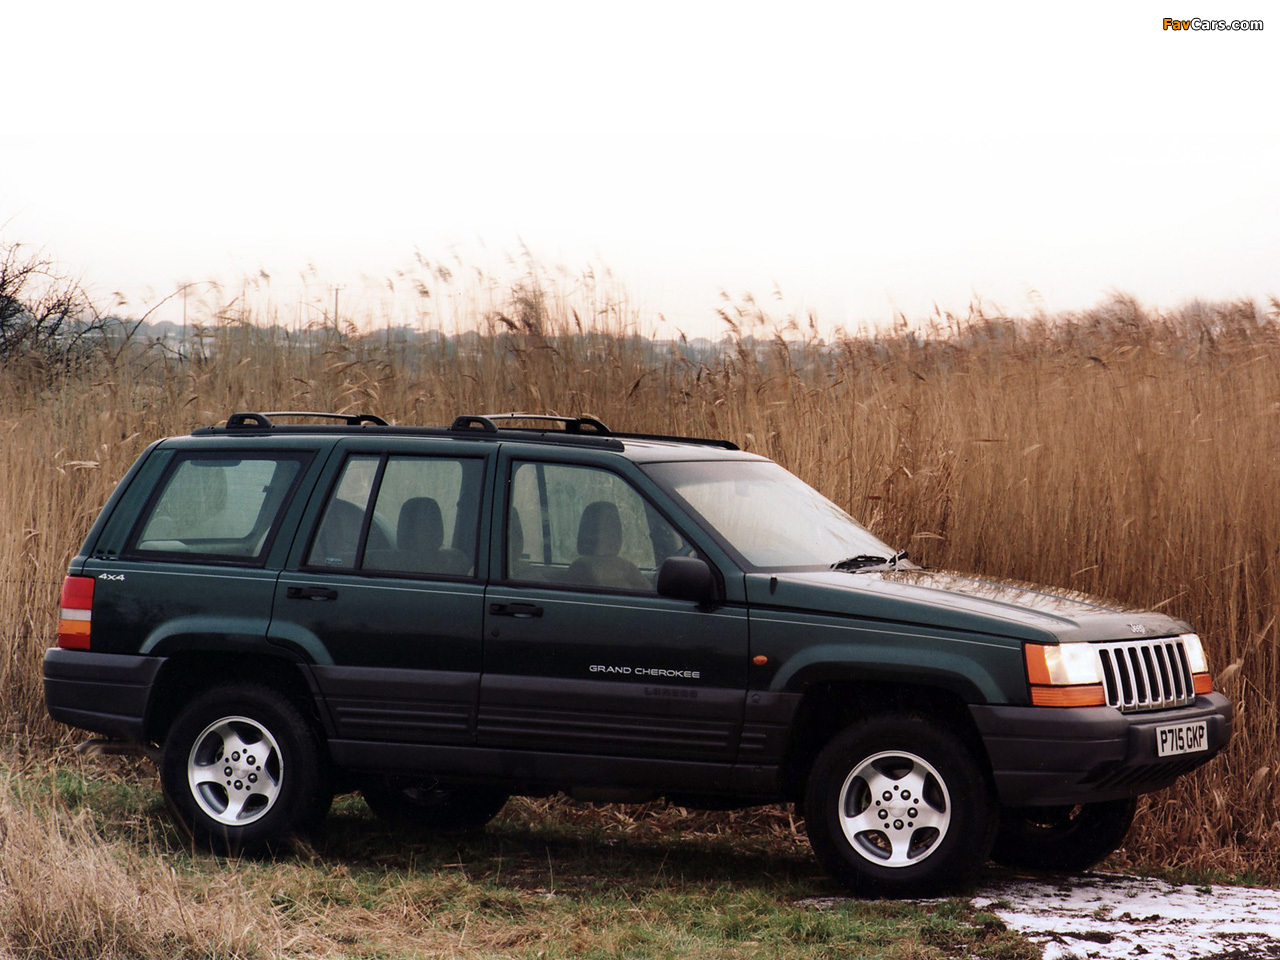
1083	695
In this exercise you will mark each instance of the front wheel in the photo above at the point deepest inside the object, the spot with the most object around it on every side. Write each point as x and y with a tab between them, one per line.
242	771
898	806
1062	838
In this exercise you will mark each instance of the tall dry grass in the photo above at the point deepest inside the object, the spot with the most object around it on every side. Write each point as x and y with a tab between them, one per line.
1119	451
66	894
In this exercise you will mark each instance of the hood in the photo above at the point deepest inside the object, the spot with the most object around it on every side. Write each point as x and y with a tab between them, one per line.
954	601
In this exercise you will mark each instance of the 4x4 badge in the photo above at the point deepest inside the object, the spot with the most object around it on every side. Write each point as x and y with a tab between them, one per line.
111	576
1138	628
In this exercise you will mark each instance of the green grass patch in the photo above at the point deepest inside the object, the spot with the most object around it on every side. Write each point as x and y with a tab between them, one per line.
547	879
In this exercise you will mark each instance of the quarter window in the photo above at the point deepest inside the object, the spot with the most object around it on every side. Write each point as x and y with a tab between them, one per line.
219	508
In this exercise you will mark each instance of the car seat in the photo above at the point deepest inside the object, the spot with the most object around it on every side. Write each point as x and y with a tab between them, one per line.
599	542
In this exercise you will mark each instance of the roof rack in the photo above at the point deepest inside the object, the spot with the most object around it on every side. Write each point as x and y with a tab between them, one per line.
489	423
486	422
586	431
669	438
262	421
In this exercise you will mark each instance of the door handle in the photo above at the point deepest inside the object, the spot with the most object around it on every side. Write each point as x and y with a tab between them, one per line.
522	610
311	593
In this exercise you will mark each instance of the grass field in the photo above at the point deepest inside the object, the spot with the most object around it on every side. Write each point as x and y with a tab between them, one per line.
1120	452
89	867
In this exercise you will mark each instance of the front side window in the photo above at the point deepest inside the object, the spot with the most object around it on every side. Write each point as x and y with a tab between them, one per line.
401	515
223	508
581	526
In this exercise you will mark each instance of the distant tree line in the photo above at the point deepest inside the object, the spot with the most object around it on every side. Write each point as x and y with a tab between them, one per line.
42	312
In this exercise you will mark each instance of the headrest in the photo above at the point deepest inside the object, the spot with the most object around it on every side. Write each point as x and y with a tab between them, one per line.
600	530
420	526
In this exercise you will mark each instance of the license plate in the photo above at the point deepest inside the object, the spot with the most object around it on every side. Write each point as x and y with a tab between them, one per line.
1179	738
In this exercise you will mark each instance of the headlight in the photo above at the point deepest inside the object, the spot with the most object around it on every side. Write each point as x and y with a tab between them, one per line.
1195	653
1064	675
1198	663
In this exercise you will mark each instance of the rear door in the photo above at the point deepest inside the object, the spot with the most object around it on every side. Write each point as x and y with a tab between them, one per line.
382	590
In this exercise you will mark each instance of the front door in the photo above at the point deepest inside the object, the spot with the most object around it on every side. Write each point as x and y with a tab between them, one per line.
581	655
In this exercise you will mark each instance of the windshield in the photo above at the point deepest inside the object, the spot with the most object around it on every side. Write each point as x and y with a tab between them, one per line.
770	517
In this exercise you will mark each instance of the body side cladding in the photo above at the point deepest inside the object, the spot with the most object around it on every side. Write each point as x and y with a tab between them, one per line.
766	725
531	713
385	704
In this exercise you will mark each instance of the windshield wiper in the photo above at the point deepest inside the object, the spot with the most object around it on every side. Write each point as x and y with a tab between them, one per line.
869	562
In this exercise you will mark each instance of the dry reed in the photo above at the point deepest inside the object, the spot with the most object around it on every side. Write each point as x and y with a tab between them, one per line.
1123	452
66	893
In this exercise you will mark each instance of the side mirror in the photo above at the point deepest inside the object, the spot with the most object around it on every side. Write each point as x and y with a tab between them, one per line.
687	578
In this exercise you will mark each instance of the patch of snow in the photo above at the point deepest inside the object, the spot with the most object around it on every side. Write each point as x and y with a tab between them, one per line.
1112	917
1108	917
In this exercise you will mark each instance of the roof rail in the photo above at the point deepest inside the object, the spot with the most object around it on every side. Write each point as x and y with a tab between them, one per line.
249	420
577	430
671	438
489	423
486	422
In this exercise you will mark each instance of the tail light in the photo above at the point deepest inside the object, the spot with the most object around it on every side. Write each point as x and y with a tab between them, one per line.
76	613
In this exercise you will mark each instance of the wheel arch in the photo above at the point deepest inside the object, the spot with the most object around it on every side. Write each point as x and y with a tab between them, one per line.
833	701
188	673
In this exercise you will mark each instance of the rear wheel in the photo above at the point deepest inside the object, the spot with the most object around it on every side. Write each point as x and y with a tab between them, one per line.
242	770
1064	837
898	806
427	806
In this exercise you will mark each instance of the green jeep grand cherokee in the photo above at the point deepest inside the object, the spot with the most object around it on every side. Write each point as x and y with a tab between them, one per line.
444	617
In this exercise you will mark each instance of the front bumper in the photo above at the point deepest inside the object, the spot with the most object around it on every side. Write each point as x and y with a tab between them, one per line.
103	692
1043	756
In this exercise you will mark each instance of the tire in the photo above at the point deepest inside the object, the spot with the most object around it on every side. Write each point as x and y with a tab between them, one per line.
1062	838
898	806
425	806
243	772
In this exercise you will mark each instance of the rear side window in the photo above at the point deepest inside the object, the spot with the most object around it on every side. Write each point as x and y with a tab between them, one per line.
218	508
402	515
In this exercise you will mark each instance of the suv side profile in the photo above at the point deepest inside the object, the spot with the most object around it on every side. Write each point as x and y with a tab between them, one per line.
443	617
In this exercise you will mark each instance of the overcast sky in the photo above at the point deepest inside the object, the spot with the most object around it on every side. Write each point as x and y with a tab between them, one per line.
858	160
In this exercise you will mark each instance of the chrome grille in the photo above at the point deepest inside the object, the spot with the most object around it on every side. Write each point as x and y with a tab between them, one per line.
1146	674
